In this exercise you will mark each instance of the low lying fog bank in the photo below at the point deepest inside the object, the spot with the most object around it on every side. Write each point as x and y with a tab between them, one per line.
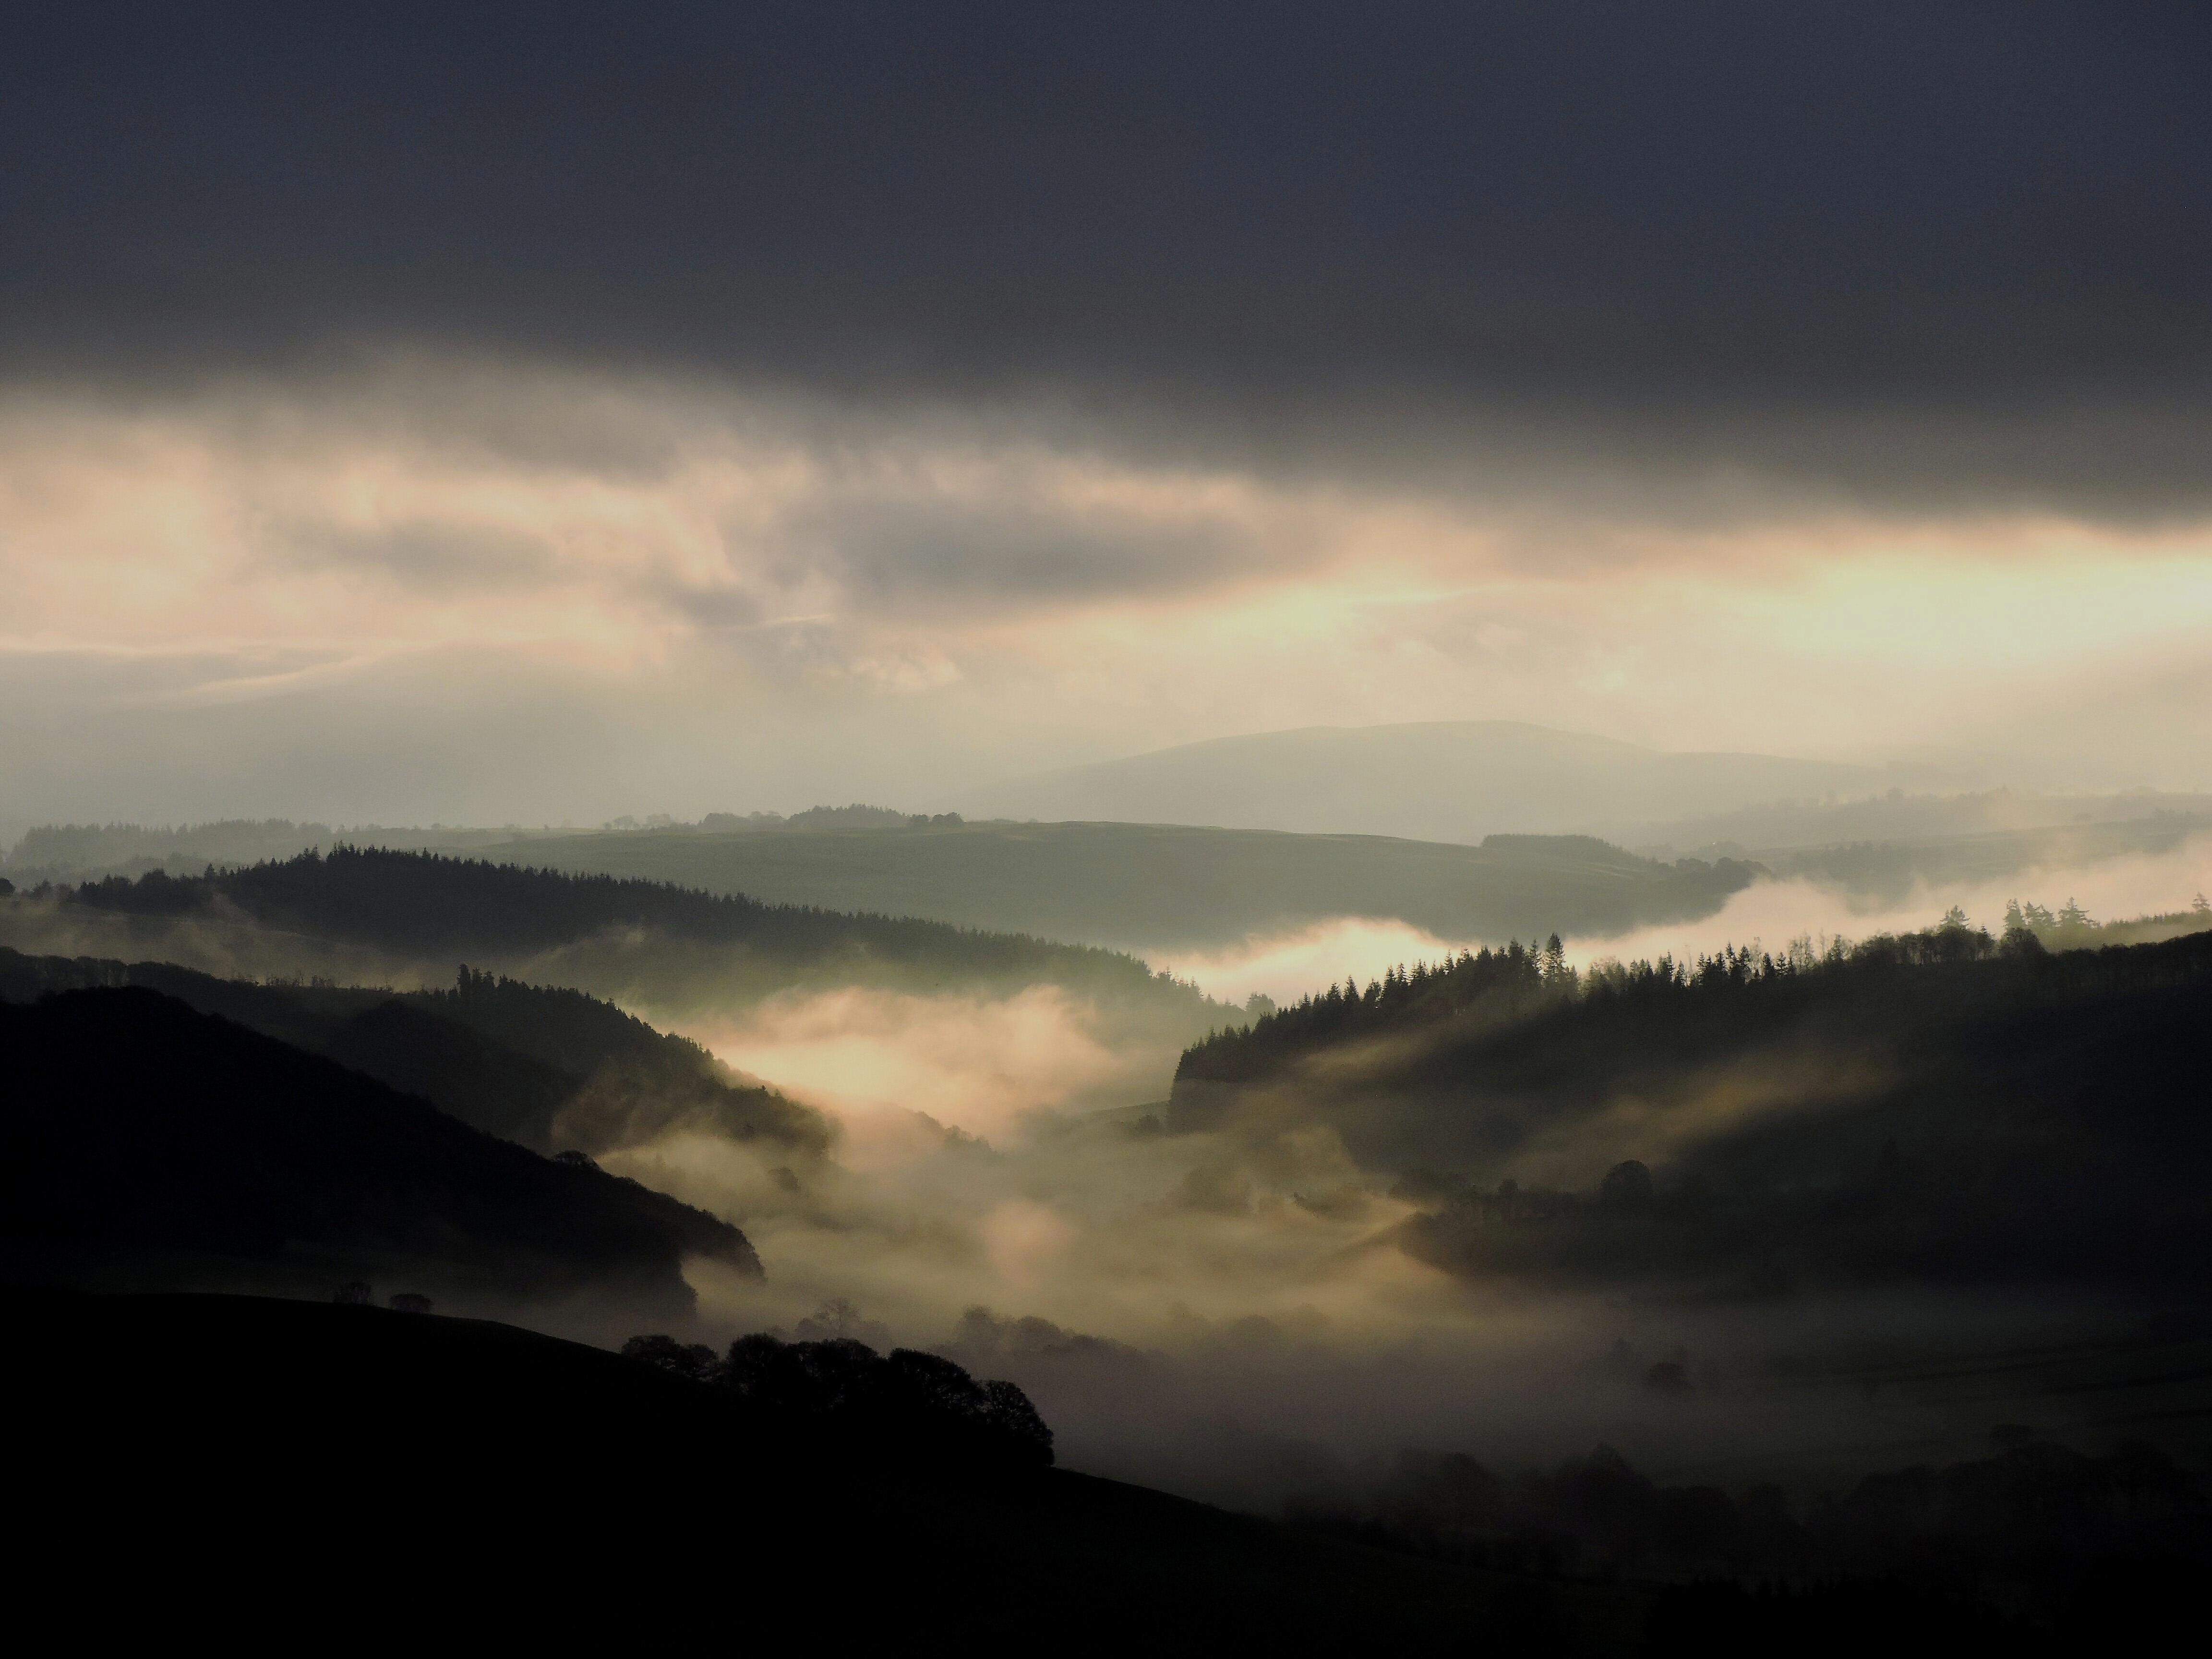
1235	1320
1232	1318
1772	913
226	945
1238	1323
975	1062
1285	966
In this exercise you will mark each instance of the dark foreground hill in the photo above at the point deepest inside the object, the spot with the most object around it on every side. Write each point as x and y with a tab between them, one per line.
314	1468
1164	886
150	1143
1928	1107
323	1473
551	1068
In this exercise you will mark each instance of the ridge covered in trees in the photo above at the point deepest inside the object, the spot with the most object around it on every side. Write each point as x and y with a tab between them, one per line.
552	1068
143	1132
1482	986
1155	886
427	903
905	1404
1940	1103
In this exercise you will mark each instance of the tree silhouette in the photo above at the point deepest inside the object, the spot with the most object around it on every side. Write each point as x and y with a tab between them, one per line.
1626	1189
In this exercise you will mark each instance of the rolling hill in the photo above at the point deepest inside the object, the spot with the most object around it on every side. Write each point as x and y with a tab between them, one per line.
285	1463
1162	887
1930	1106
155	1144
550	1068
1455	780
369	916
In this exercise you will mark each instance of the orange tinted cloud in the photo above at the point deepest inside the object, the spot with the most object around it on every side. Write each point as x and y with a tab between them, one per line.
1026	593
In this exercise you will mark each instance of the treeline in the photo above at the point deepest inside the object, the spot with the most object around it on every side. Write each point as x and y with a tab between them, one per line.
907	1405
623	1082
144	1132
427	903
1506	979
1176	887
85	845
551	1068
2072	928
67	853
854	816
2035	1527
1935	1107
1484	987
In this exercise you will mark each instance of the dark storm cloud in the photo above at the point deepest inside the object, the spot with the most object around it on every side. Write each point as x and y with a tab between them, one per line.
1751	227
910	551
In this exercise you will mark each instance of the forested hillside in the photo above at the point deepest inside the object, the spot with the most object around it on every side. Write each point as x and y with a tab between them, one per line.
1150	886
78	852
1936	1104
551	1068
150	1143
363	909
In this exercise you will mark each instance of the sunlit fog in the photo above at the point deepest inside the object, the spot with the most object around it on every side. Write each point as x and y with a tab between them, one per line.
1228	827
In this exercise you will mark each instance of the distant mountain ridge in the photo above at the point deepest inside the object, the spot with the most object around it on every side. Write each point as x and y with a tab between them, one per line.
1448	781
1150	888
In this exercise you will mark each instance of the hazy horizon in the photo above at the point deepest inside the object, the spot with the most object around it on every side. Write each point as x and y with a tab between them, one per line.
1516	703
1487	375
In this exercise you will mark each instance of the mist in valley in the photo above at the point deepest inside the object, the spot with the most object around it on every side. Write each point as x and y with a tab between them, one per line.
1769	913
1239	1322
772	777
1234	1314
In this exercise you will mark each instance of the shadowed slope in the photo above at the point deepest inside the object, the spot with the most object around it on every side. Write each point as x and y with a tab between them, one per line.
151	1142
1166	886
535	1480
551	1068
1925	1107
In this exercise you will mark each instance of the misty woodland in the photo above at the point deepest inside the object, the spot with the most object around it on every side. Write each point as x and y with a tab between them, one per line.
1204	829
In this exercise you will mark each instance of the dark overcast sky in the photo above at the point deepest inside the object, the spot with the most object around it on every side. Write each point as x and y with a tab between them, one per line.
856	399
1951	206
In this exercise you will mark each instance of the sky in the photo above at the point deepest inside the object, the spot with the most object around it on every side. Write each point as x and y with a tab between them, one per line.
538	414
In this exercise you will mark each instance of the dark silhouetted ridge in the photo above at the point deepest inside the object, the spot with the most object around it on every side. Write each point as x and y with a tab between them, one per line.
552	1068
143	1132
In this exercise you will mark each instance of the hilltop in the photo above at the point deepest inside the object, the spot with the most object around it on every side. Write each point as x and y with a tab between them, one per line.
489	1468
151	1143
370	914
1940	1105
1173	887
1448	780
550	1068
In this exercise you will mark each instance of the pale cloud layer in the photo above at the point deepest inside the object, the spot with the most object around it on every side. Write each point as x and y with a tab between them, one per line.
465	590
